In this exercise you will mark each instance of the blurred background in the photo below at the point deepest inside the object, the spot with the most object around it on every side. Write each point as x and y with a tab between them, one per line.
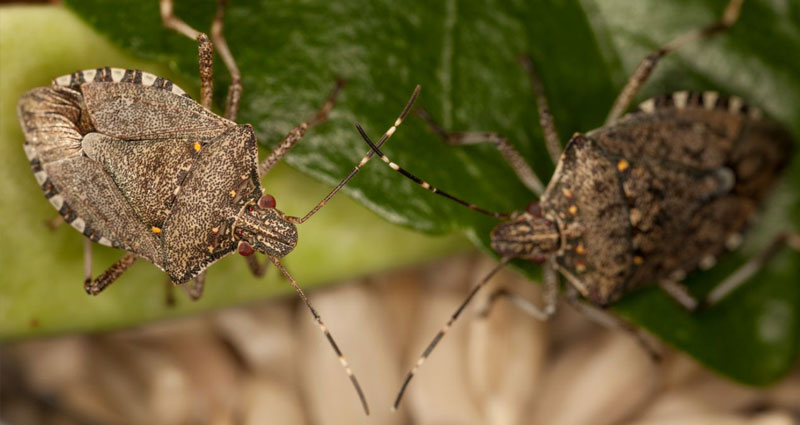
248	352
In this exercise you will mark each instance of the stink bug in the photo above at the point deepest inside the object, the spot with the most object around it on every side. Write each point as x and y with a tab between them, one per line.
130	161
649	197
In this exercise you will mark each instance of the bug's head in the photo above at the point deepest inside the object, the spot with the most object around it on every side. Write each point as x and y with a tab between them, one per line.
262	227
527	235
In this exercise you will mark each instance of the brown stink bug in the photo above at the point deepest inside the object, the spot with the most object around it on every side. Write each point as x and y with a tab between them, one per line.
130	161
649	197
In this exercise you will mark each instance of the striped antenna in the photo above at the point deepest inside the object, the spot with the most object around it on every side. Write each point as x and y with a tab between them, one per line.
364	160
326	332
425	185
444	330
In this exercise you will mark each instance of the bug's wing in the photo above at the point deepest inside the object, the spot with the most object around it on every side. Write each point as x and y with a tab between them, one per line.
51	122
221	180
135	112
92	203
628	221
148	173
700	130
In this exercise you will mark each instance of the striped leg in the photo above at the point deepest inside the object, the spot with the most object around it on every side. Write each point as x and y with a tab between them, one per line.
425	185
444	330
364	159
645	68
543	106
509	152
94	287
297	133
206	55
326	332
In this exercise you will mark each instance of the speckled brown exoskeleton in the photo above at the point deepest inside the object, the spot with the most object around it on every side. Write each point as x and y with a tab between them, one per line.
132	162
649	197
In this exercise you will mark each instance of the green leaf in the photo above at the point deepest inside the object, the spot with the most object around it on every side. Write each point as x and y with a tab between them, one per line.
41	286
464	53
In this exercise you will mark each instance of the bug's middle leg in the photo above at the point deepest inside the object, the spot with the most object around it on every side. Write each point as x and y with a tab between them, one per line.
297	133
204	48
509	152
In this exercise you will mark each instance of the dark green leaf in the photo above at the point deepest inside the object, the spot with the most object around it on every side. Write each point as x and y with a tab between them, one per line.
464	53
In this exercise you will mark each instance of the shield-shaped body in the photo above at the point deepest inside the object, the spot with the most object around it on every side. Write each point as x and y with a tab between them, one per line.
662	191
129	160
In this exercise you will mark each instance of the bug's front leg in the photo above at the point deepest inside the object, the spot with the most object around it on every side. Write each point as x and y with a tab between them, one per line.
509	152
550	298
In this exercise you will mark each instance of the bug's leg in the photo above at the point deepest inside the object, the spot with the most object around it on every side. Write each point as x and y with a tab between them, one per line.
235	88
543	106
444	330
258	269
204	48
195	287
55	222
108	277
169	293
363	161
550	297
604	318
679	293
87	261
509	152
325	331
748	269
297	133
642	72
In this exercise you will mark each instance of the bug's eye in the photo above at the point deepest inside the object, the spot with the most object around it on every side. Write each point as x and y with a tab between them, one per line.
245	249
266	201
534	209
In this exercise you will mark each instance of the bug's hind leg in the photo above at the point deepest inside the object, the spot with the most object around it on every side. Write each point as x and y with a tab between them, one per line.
544	313
94	287
509	152
204	48
645	68
206	56
745	272
297	133
235	88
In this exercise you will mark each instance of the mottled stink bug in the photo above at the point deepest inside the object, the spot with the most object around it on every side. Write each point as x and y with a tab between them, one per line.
649	197
130	161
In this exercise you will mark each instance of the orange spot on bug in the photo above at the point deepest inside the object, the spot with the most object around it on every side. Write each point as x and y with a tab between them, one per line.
197	146
579	249
623	165
567	193
580	266
638	260
155	229
573	210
